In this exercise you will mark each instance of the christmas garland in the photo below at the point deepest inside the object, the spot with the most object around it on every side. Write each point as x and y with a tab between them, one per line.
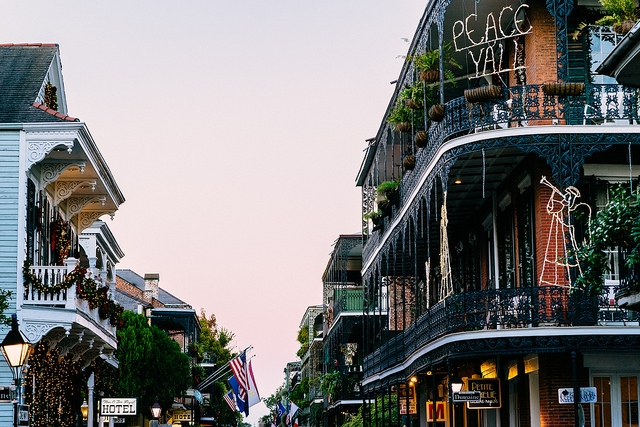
86	289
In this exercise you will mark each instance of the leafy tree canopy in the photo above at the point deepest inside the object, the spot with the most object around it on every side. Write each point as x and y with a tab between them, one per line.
151	364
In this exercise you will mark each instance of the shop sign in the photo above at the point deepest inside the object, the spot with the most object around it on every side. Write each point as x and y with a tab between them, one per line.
118	406
5	394
587	395
181	416
411	398
440	411
489	389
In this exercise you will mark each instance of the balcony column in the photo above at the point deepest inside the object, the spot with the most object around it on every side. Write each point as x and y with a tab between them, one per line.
70	263
90	384
92	267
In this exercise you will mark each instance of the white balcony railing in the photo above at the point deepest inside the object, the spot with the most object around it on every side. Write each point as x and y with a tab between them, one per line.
67	299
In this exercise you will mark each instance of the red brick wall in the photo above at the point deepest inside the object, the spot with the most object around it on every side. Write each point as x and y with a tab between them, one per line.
128	288
540	46
555	373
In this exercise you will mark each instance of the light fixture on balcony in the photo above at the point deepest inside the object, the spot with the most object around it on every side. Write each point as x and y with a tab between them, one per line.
413	380
455	387
16	350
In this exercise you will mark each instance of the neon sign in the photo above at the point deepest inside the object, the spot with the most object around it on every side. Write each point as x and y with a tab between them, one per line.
488	51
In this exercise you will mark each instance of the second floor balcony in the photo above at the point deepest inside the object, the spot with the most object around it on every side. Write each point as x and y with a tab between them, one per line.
536	311
71	308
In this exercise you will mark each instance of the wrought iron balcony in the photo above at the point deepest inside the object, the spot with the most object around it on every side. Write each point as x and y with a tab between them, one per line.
517	107
347	301
526	307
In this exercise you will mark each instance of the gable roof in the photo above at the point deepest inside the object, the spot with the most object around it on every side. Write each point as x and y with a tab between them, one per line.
23	69
136	280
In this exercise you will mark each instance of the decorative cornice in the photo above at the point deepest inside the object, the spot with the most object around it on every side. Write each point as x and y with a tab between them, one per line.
64	189
51	170
75	205
86	219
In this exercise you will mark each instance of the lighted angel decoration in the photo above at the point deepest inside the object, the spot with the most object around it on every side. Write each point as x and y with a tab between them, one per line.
561	241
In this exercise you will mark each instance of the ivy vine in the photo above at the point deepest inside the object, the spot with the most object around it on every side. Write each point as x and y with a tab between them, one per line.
617	225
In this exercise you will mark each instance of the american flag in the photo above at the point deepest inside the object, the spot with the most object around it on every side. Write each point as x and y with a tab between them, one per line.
229	399
239	368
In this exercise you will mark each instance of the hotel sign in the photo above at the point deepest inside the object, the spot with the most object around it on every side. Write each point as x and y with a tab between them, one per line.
489	389
118	406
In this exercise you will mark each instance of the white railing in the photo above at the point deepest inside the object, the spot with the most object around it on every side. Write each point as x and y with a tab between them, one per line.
54	275
51	276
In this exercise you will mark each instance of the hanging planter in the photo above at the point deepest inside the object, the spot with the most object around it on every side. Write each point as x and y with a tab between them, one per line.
483	93
436	112
430	76
623	27
421	139
563	89
403	127
413	104
409	163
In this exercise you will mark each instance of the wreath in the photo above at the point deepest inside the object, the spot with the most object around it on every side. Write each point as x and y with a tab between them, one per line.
86	289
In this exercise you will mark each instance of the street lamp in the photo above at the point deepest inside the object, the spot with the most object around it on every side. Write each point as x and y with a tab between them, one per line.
156	410
15	350
84	408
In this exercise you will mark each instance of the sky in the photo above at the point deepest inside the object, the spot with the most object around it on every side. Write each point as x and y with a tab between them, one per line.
235	130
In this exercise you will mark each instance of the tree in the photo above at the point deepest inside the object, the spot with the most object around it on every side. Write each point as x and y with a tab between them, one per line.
213	340
151	364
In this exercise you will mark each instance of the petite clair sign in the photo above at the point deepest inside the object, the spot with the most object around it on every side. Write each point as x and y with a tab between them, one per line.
487	50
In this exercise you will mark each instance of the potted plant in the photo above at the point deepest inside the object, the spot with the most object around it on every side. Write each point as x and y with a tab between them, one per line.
389	190
428	64
421	139
400	117
621	17
413	96
563	89
482	93
409	162
374	216
436	112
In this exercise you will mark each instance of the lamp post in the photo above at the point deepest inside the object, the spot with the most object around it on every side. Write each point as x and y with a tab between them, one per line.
15	350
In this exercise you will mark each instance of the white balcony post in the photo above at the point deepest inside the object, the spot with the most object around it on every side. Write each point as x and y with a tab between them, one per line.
70	263
90	384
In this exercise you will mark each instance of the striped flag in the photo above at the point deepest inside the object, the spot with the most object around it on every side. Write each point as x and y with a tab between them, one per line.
229	399
239	368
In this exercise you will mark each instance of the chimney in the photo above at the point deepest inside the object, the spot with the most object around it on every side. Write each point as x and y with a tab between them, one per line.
151	281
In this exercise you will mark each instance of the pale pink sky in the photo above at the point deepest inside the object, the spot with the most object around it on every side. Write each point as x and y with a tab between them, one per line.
235	130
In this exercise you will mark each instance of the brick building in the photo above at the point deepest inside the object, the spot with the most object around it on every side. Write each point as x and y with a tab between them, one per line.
477	189
144	295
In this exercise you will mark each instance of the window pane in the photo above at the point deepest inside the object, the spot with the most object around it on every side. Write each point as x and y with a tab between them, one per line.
602	409
629	401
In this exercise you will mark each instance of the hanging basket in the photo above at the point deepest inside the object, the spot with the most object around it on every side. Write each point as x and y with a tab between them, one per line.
430	76
403	127
436	112
483	93
563	89
623	27
409	163
421	139
413	104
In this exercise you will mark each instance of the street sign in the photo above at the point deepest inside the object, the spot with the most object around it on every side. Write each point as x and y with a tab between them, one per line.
587	395
466	396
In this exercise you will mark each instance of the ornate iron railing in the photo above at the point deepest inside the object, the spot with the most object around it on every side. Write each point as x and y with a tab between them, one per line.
526	307
518	106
